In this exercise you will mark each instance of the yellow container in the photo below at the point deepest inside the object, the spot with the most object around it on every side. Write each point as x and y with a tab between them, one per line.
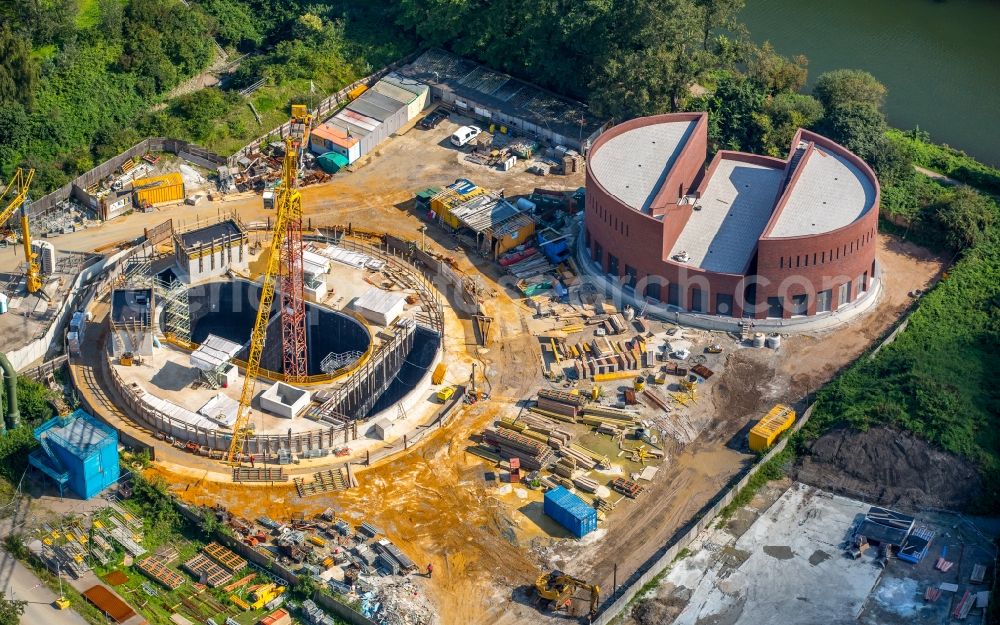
639	384
316	540
767	430
446	393
354	93
618	375
448	199
159	189
439	371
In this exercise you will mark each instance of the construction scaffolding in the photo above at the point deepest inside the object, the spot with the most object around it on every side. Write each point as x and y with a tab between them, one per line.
176	309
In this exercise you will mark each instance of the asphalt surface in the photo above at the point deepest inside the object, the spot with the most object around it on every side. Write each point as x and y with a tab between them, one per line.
18	582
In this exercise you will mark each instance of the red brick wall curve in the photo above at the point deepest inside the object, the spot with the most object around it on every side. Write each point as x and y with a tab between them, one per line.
641	242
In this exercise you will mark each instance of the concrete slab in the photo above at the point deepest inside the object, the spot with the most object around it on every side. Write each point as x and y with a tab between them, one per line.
788	567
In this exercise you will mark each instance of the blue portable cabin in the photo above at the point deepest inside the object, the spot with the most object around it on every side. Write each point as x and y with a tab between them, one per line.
570	511
79	451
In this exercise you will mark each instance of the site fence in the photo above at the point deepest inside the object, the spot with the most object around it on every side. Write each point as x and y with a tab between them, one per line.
77	188
323	110
662	560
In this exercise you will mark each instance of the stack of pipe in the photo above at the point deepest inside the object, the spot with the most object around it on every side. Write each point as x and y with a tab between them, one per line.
532	453
586	484
565	467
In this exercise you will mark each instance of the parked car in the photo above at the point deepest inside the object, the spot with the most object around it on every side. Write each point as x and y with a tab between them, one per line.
465	134
433	119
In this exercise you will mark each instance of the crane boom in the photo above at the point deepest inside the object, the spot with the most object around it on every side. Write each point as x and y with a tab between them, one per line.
19	183
289	201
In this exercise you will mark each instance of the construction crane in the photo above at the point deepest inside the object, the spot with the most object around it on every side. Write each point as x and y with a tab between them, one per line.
19	185
558	589
295	356
289	207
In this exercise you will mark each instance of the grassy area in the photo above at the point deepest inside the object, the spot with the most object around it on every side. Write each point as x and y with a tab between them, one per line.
773	469
948	161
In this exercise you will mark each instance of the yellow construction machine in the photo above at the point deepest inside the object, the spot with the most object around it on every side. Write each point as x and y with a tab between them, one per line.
19	184
558	589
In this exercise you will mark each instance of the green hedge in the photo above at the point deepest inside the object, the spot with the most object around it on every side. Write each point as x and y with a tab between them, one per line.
948	161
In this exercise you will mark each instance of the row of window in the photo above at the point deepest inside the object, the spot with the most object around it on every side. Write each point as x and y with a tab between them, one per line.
611	220
699	302
819	258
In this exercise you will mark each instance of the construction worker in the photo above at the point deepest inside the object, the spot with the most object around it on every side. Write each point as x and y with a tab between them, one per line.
430	570
251	461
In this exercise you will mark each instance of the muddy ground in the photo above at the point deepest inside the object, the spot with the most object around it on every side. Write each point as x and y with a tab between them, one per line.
890	467
433	501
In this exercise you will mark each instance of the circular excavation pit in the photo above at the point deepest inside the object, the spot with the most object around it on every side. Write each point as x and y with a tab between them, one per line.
228	309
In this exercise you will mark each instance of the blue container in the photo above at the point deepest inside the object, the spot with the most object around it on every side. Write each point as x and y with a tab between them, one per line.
570	511
78	451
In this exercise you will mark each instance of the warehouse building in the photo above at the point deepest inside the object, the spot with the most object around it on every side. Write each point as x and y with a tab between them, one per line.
371	118
749	235
212	251
496	98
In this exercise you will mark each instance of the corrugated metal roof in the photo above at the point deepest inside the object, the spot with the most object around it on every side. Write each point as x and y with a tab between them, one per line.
379	301
394	91
484	213
409	84
336	135
504	93
80	434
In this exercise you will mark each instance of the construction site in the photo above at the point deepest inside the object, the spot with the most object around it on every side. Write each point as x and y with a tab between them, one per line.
382	364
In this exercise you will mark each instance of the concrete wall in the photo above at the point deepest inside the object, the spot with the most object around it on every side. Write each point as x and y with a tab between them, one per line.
78	187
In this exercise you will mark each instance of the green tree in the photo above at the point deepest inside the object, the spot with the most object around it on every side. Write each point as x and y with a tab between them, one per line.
18	70
788	112
965	217
235	23
735	111
33	399
775	73
849	86
717	14
655	58
11	610
112	20
306	587
861	128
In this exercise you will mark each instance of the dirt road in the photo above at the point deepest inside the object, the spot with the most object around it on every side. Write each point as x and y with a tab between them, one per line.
434	501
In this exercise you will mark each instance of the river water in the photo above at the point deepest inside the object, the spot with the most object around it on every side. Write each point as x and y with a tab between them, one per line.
939	59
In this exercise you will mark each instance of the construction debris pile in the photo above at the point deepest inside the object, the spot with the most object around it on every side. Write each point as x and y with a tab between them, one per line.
397	601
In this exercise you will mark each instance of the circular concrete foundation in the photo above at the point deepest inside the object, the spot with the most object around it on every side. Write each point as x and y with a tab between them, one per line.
229	309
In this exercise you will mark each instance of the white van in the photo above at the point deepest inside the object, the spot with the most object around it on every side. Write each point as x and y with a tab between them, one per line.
465	134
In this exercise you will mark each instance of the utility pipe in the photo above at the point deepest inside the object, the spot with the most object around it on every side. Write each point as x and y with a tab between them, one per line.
12	418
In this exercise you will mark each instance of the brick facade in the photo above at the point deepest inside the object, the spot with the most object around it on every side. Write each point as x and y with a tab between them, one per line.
785	277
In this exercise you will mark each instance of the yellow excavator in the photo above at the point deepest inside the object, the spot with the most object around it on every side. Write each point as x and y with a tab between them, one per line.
18	185
558	589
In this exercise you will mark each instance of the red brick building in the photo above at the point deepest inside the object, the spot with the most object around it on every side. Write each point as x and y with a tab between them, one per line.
747	235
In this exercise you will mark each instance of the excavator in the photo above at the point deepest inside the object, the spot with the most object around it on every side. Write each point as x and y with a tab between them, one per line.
19	184
558	589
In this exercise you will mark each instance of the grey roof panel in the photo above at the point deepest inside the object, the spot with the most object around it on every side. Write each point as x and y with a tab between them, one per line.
829	193
735	208
633	165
